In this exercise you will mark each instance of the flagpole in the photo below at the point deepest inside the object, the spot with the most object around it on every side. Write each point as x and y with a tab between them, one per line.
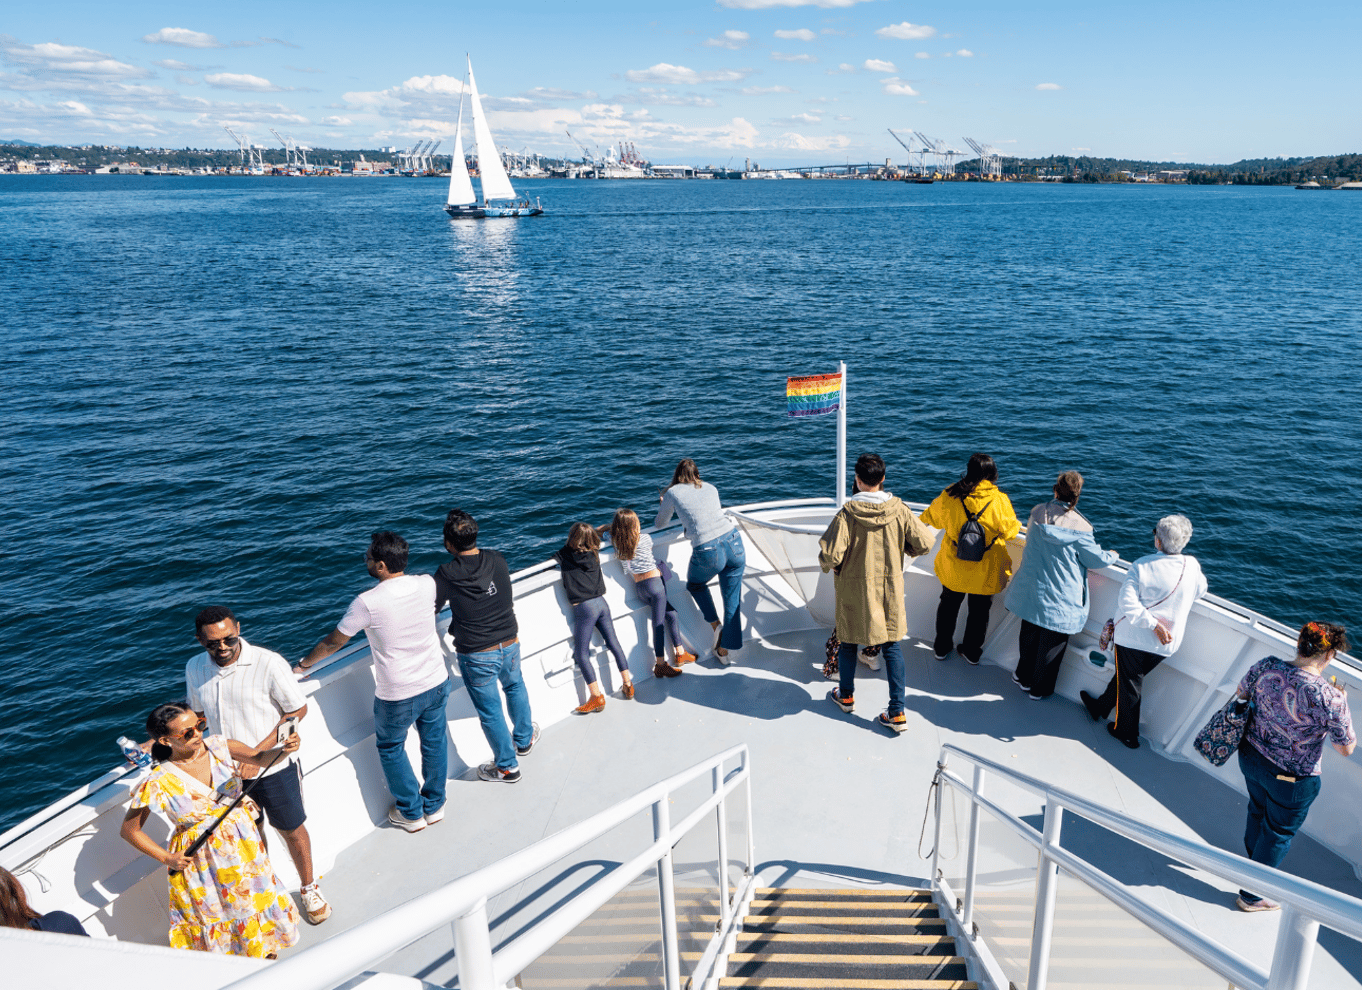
842	438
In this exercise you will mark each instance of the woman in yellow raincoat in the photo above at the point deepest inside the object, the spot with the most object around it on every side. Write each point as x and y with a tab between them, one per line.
975	496
226	898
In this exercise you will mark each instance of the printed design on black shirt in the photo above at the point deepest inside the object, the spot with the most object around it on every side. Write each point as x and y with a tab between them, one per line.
491	587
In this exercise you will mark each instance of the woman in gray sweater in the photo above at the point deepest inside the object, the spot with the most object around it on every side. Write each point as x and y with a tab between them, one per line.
716	549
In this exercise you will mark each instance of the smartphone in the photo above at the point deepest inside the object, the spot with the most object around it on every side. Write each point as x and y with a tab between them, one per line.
290	727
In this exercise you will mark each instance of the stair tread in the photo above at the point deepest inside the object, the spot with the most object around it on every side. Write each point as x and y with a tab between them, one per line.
858	891
800	982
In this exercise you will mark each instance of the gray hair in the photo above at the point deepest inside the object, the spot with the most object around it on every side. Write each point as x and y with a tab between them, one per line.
1173	532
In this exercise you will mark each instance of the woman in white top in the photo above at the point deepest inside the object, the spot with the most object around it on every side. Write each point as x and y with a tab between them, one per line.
634	551
1151	618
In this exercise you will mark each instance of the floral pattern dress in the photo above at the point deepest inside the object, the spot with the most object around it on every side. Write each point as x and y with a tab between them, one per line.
228	900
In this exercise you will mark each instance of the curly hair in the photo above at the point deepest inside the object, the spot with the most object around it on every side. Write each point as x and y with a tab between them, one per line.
1317	638
158	725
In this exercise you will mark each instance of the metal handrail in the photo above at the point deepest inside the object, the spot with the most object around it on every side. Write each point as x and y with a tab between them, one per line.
1305	904
464	901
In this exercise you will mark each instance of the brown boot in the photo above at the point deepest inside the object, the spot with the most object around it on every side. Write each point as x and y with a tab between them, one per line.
596	703
628	691
662	668
683	658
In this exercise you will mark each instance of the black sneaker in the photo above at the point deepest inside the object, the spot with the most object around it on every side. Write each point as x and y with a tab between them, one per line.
490	771
1090	703
1018	681
534	738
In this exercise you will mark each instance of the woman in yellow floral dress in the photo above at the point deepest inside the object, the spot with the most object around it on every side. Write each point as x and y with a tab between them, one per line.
226	898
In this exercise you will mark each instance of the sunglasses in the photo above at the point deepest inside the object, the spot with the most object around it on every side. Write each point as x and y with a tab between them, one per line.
227	641
188	733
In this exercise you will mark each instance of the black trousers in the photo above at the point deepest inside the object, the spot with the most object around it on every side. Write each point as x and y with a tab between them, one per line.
976	624
1124	690
1042	653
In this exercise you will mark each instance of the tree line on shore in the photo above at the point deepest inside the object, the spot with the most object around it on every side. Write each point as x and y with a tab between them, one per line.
1256	171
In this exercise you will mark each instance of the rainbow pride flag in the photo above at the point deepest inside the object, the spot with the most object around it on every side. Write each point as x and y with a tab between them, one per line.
813	395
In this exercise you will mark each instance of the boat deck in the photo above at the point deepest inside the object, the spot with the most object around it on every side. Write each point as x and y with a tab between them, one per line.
839	802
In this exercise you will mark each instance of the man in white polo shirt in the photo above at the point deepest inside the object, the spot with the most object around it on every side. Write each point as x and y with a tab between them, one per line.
411	683
246	693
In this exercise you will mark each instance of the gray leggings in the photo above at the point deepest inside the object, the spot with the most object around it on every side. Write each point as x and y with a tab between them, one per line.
654	594
587	616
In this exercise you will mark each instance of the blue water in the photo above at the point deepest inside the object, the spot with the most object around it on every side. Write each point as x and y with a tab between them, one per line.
215	389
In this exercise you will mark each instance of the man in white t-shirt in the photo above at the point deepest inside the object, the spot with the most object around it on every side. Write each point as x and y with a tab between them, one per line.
246	693
411	683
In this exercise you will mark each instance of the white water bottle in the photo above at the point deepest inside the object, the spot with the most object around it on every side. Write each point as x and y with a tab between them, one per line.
135	754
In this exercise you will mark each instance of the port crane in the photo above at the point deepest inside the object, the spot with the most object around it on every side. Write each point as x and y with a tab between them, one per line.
252	155
921	154
990	158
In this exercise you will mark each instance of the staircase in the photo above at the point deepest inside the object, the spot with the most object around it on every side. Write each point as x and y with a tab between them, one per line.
846	939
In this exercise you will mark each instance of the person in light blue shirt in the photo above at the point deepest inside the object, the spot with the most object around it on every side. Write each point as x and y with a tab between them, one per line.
1049	592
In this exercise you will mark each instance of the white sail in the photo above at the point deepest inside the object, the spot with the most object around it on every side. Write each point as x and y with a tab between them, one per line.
460	185
496	184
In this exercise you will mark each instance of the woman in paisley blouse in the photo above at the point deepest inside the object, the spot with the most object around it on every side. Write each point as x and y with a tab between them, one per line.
1295	709
226	898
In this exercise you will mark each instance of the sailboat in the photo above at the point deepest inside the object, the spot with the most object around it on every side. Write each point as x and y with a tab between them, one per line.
496	184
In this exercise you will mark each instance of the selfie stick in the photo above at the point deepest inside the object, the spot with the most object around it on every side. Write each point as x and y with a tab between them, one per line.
245	792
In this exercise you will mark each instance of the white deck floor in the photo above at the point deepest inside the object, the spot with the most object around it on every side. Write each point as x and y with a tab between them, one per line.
840	801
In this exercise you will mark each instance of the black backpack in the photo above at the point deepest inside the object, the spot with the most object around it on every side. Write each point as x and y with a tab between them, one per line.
972	541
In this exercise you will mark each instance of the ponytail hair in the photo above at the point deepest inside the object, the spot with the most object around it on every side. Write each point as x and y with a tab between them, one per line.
1317	638
980	468
624	532
158	725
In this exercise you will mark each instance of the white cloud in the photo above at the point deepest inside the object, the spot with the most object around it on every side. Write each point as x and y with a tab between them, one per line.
762	90
1046	86
660	96
679	75
53	60
773	4
798	142
184	80
1075	149
895	86
802	34
906	32
175	65
786	57
921	55
729	39
844	67
879	65
807	118
241	81
336	121
183	37
965	53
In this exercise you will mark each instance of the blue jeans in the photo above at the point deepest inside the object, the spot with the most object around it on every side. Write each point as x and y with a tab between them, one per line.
726	557
481	674
392	719
1276	809
893	668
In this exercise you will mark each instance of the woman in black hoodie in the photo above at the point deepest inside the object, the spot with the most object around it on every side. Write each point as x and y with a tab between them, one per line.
580	562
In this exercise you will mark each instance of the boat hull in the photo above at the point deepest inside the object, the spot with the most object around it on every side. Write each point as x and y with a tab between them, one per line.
466	212
513	211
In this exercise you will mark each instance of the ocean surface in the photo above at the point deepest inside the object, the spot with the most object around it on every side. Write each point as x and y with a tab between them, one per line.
215	389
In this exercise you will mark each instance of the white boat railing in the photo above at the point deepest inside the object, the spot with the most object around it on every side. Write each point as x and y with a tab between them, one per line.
1305	905
464	901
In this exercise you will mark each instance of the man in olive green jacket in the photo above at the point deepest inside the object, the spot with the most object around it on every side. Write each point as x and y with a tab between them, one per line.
864	548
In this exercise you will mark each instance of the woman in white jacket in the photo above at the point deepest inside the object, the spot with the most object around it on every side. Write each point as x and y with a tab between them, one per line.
1151	617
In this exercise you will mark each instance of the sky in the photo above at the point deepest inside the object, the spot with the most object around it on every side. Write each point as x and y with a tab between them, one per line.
781	82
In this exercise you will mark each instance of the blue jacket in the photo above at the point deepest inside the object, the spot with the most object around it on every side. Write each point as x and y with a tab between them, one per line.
1050	588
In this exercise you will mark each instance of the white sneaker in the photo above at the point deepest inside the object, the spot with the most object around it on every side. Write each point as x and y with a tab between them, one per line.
410	824
871	661
436	816
729	659
314	904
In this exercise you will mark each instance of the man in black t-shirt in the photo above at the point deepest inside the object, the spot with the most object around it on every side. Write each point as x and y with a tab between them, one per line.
477	585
